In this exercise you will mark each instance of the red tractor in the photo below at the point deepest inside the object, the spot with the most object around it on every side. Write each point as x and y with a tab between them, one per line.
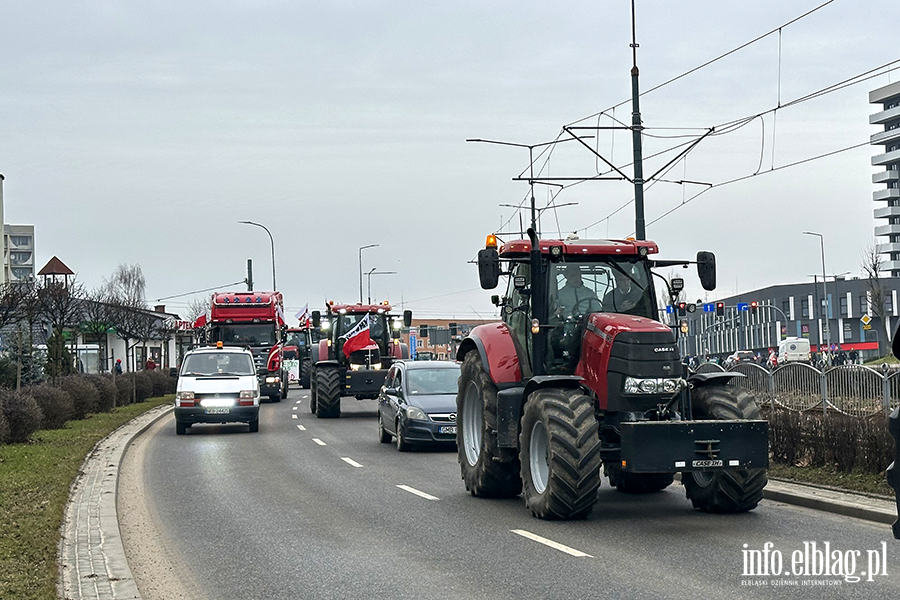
582	375
359	344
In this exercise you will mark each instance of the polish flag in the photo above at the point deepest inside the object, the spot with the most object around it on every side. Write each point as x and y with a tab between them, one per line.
357	338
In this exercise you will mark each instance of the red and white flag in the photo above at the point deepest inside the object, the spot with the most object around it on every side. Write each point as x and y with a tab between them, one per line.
357	338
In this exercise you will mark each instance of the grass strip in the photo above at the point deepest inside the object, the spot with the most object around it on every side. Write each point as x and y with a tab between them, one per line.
35	478
855	481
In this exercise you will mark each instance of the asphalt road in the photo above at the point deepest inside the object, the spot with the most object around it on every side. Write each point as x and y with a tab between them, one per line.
314	508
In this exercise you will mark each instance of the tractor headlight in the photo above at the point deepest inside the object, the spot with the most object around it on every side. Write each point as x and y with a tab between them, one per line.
356	367
663	385
417	414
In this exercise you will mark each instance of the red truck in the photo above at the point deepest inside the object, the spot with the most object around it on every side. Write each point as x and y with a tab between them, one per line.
254	320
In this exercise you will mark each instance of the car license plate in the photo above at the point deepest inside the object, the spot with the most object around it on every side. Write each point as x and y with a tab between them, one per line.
706	463
220	410
448	429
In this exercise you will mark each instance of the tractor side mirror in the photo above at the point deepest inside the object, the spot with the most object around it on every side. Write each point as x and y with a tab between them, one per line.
316	319
495	300
407	318
706	270
488	268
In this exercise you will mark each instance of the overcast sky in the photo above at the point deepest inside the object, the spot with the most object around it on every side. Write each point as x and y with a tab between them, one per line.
143	132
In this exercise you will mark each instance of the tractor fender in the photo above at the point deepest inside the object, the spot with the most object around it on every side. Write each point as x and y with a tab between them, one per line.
400	351
494	344
320	352
511	402
700	379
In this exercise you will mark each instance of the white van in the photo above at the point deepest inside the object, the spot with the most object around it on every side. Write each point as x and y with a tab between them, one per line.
793	349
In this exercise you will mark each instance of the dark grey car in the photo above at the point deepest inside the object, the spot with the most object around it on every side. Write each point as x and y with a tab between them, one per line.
417	403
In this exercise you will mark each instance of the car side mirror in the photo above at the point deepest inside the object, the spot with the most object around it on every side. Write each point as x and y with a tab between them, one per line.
706	270
391	391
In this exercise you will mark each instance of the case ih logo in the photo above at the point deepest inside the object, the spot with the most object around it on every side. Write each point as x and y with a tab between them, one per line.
664	349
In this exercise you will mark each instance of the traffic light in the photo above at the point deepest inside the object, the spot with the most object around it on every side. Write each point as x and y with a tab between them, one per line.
720	309
423	331
682	309
753	306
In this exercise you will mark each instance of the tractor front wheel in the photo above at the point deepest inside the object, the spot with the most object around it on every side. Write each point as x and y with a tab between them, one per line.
476	435
730	490
328	393
560	454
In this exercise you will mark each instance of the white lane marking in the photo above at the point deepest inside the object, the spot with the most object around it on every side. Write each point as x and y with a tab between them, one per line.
293	416
351	462
318	441
301	427
297	402
294	407
550	543
412	490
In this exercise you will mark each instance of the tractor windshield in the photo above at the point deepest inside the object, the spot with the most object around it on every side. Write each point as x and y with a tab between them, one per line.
615	286
377	326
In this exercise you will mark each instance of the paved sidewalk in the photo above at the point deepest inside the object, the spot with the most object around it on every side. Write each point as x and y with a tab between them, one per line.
92	561
860	506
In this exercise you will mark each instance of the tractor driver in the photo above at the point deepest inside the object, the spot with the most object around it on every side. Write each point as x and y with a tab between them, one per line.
575	298
624	296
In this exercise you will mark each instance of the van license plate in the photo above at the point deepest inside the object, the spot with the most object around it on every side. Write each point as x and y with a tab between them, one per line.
706	463
220	410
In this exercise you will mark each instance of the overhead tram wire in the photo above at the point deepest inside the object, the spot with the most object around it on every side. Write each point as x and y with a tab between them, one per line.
218	287
707	63
736	124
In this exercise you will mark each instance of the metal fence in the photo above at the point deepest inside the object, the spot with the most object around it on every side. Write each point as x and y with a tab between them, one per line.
854	390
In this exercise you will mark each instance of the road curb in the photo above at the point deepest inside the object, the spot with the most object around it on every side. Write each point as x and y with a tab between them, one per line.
91	556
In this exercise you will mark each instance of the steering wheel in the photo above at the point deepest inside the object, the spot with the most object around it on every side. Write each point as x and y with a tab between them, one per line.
588	302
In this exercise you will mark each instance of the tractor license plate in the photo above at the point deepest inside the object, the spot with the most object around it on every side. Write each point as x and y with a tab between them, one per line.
218	410
702	464
448	429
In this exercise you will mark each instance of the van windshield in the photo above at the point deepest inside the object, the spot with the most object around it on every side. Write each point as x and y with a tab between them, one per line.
217	363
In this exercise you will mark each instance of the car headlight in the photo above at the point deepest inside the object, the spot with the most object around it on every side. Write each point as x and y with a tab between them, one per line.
417	414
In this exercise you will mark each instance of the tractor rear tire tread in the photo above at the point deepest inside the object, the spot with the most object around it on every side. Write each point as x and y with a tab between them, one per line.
489	477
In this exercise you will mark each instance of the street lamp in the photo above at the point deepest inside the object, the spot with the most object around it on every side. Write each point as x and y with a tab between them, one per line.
369	280
272	241
824	295
361	248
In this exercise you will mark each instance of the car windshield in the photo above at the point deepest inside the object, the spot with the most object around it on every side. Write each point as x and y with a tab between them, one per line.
249	334
217	363
432	381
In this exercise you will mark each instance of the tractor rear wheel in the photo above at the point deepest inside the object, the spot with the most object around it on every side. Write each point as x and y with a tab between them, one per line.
476	435
560	454
730	490
328	393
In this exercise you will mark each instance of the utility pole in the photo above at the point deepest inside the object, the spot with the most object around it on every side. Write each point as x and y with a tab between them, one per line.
249	274
636	129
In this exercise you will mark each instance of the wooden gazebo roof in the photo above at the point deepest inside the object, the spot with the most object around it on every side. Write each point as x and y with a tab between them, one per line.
56	267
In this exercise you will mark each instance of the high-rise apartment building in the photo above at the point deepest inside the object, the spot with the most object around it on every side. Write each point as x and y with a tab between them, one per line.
888	97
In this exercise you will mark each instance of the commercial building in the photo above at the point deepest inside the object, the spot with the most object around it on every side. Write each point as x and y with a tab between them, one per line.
441	336
888	98
843	314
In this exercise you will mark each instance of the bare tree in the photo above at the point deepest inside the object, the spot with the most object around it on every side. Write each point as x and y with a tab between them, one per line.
126	286
196	307
871	267
96	321
59	303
